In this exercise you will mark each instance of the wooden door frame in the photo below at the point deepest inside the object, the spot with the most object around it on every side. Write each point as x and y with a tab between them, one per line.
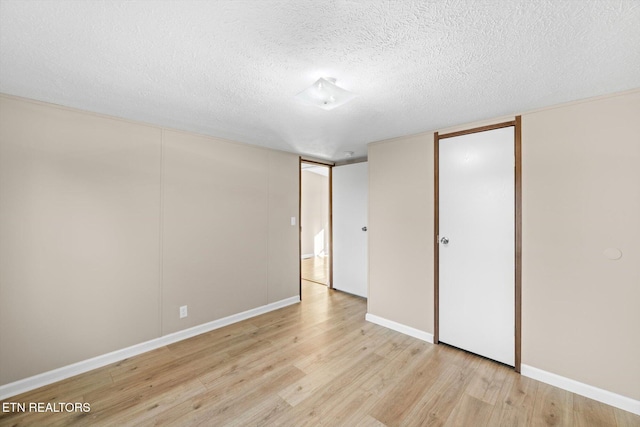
329	232
517	124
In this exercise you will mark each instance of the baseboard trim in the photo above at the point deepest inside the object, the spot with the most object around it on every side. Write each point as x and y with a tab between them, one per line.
306	256
49	377
595	393
399	327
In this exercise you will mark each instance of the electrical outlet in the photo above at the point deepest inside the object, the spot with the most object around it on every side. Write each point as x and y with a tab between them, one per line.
183	311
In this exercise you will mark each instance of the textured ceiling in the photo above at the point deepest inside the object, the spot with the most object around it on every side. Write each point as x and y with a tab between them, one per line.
232	68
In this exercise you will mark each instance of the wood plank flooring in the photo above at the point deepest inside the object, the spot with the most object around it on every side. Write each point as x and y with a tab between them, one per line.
315	269
318	363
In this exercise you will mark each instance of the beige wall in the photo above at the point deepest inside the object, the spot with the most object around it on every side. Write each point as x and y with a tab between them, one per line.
315	210
401	230
581	195
283	252
108	226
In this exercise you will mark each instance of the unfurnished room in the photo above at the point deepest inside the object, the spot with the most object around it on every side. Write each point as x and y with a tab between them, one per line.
320	213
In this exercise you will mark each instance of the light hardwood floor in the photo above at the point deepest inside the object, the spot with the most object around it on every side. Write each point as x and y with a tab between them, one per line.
318	363
315	269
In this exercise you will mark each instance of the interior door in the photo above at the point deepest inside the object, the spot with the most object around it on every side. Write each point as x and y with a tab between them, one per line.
476	243
350	199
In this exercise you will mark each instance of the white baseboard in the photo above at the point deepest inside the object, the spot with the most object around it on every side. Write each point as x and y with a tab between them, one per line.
45	378
305	256
399	327
595	393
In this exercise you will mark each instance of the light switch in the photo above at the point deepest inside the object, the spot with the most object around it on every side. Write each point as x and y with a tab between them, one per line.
293	220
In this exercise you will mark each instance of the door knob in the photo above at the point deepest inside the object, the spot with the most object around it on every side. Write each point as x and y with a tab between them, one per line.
364	228
444	240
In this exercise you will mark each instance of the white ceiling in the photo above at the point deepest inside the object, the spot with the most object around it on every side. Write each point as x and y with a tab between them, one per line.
232	68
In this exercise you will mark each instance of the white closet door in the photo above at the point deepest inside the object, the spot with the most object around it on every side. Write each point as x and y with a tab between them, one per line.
477	243
350	198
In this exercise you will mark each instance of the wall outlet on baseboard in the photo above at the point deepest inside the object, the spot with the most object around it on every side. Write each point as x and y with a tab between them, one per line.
183	311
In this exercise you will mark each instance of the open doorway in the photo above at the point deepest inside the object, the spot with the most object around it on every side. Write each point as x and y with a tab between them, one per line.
315	223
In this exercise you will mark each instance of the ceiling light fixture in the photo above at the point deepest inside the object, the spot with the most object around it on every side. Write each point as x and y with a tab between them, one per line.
325	94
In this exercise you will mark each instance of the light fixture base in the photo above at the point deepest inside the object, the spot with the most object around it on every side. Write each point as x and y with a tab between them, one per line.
325	94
